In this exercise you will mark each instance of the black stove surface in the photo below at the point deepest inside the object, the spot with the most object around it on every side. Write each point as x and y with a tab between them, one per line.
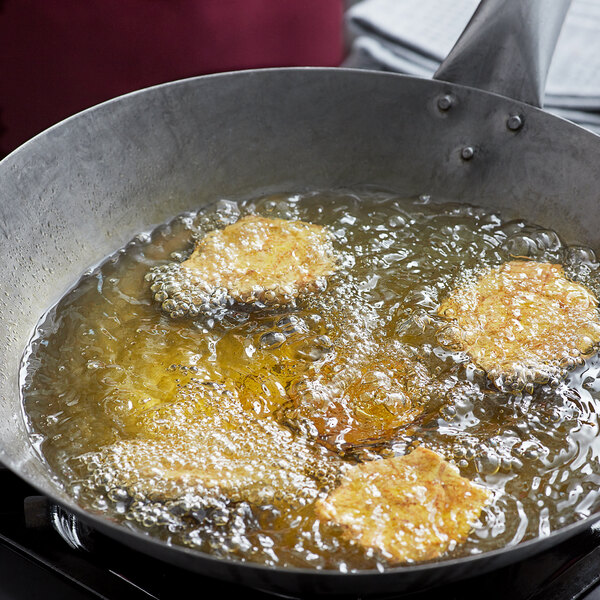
37	562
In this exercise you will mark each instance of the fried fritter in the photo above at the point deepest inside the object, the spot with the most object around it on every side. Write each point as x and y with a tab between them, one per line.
408	508
204	440
523	322
355	399
256	259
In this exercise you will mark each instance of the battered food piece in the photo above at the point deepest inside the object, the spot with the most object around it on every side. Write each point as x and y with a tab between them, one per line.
409	508
256	259
356	399
204	440
523	322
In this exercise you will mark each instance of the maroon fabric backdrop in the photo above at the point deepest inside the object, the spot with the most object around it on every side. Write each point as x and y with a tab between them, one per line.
58	57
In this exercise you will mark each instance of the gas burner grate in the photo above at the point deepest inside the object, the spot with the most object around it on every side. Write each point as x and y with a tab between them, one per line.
46	551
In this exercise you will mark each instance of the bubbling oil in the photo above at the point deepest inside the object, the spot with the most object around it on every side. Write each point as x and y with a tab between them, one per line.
184	428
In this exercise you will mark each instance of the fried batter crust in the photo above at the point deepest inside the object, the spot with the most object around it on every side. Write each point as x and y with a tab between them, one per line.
523	322
273	260
408	508
205	440
352	400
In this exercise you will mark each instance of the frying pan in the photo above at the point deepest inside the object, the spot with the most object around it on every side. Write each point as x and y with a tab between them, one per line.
474	133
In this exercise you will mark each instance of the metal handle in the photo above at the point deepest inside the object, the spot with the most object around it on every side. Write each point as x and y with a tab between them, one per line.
507	47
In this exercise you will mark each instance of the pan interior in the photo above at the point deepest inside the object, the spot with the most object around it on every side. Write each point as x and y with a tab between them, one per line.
119	395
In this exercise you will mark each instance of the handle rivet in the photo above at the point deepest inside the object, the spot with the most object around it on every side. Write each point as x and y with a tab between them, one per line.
445	102
467	153
514	122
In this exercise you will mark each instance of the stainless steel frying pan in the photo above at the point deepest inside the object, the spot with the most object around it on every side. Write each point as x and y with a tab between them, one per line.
82	189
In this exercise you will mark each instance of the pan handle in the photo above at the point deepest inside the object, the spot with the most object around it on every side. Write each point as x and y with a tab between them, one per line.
507	47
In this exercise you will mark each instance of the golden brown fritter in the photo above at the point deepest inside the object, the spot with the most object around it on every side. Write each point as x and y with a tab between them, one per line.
256	259
523	322
355	399
205	440
273	259
408	508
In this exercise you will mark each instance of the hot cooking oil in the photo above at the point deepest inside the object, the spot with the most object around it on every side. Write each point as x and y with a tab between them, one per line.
216	432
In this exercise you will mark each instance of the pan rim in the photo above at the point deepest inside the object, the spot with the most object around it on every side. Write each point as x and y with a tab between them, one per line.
348	71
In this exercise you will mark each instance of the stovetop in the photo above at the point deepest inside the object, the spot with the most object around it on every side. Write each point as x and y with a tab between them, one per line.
36	561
